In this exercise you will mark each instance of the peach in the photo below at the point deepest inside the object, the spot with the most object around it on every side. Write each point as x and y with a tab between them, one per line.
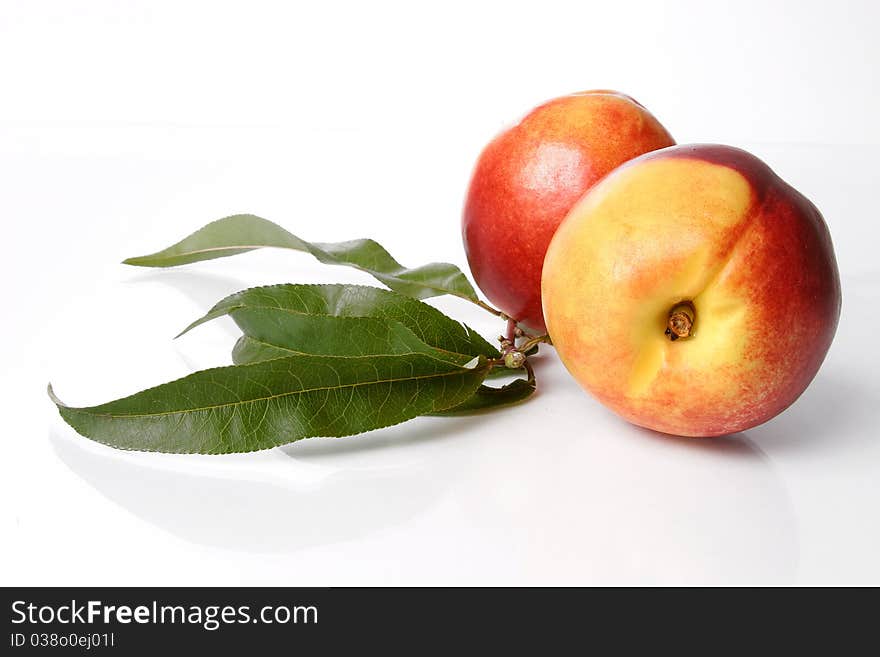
528	178
692	291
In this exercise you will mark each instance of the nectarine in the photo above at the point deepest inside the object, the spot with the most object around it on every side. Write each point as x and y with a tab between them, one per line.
692	291
528	178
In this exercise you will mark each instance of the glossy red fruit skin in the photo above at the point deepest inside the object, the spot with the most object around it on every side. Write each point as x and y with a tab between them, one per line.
529	177
772	264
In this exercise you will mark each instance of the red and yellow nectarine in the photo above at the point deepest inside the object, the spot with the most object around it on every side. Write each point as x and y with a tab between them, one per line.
530	176
692	291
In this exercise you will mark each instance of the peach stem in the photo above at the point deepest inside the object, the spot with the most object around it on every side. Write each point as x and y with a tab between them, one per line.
511	330
681	321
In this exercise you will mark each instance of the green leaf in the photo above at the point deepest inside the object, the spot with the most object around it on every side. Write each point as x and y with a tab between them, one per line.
280	321
251	350
340	320
246	232
243	408
488	398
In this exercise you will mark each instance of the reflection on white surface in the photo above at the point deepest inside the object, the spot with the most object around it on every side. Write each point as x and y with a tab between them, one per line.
645	508
501	508
278	510
202	288
834	413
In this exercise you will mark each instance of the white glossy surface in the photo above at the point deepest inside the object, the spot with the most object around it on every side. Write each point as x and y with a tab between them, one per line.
556	491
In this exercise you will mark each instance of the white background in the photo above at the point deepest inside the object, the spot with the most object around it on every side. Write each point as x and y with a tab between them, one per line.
124	126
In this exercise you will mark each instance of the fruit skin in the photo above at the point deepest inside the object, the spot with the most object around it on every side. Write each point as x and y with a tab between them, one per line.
528	178
716	226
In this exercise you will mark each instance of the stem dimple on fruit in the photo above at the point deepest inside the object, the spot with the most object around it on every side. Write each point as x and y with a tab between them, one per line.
680	323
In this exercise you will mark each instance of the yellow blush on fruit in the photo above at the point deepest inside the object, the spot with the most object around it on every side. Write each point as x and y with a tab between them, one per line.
692	291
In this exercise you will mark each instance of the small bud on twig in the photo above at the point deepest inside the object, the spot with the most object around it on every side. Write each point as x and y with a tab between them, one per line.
514	359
